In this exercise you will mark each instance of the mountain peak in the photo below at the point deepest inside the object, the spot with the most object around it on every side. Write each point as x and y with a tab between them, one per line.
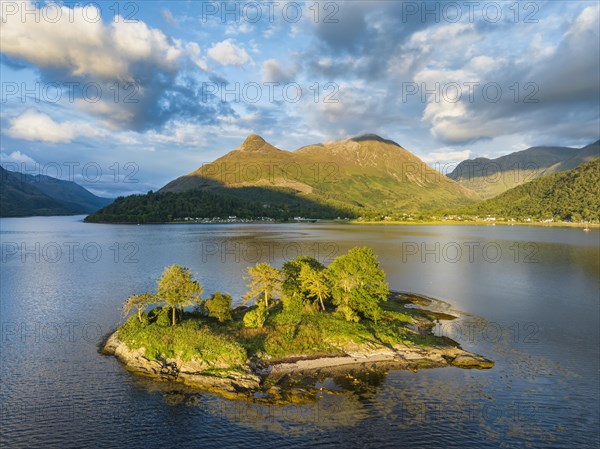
371	137
254	138
254	143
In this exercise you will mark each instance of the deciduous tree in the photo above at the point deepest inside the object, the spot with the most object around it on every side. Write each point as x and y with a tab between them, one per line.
265	282
358	283
316	282
178	288
138	302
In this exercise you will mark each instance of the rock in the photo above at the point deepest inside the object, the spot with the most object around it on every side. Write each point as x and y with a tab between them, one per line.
189	372
284	377
468	360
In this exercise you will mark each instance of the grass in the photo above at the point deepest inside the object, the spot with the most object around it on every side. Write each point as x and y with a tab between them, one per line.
287	333
186	340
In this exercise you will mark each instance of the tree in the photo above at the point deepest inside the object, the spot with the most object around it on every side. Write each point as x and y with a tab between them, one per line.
291	272
315	282
139	302
219	306
177	288
255	317
358	283
265	282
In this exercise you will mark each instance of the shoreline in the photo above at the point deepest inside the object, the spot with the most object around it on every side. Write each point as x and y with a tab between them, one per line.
271	377
480	223
356	222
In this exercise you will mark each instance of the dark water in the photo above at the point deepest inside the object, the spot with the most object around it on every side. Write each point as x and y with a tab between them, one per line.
532	295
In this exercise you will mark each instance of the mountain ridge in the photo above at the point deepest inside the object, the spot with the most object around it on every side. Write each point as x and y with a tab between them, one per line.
572	195
491	177
330	169
30	195
361	176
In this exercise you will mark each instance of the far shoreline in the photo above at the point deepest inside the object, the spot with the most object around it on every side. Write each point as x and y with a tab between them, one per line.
359	222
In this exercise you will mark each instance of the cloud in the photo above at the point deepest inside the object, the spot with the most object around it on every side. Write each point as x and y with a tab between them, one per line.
16	157
557	92
156	78
272	72
86	48
34	125
167	15
227	52
37	126
446	155
193	51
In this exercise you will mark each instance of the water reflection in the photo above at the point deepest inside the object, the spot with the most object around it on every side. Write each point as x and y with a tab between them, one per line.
542	392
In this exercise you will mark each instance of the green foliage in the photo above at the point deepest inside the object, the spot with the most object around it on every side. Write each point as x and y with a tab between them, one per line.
177	288
187	340
291	274
219	306
208	202
303	338
139	303
256	317
572	195
358	284
265	282
297	325
347	312
316	282
163	319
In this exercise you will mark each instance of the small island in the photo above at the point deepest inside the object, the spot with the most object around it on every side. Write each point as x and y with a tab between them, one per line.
305	319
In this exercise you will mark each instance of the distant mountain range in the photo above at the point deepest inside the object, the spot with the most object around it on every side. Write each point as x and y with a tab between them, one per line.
572	195
352	177
28	195
370	177
491	177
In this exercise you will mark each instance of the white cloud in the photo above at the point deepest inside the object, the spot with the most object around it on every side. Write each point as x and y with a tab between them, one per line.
563	75
446	155
228	53
169	18
243	27
180	133
84	47
16	157
34	125
193	50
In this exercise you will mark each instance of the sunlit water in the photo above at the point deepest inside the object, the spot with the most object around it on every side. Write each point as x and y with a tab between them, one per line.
531	296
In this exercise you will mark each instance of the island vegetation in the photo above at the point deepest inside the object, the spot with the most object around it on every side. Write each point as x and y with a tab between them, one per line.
304	316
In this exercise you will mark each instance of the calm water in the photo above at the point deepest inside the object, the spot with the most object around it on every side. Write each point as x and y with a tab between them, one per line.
531	296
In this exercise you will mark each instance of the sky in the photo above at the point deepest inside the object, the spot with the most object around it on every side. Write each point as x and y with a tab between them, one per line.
123	97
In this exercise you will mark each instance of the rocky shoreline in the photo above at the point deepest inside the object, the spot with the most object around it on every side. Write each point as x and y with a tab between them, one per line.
260	375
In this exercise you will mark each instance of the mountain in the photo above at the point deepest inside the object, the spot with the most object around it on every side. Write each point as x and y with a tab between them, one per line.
569	195
365	175
27	195
490	177
367	172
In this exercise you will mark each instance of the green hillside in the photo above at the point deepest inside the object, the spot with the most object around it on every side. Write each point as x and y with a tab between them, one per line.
19	198
26	195
363	176
222	202
572	195
491	177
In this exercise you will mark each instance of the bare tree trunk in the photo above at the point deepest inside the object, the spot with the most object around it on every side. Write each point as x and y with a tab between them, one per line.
322	305
173	315
266	299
